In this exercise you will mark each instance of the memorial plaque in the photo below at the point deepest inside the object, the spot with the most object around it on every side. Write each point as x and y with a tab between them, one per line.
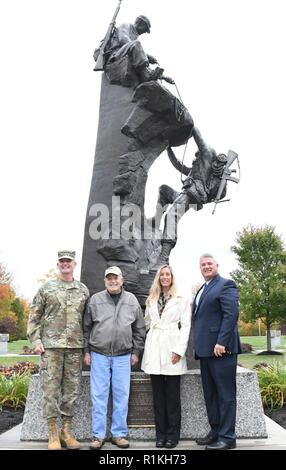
141	412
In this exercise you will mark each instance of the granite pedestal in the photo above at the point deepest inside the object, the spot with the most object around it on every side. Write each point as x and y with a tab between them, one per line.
250	421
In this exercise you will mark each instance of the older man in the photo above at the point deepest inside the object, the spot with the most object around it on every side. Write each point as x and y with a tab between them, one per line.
55	329
114	333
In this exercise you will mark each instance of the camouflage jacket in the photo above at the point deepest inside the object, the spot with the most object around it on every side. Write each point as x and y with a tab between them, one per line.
56	315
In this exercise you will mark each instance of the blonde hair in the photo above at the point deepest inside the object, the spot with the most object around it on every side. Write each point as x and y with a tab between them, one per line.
155	289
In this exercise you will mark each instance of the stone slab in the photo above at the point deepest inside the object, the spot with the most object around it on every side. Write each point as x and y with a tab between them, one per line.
4	337
3	347
250	417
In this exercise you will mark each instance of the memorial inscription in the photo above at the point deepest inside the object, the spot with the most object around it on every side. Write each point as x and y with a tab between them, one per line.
140	412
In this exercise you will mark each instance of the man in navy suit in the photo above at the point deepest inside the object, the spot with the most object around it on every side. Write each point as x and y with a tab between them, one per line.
216	345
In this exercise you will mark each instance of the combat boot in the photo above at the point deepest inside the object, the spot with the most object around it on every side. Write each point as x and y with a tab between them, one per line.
66	438
54	441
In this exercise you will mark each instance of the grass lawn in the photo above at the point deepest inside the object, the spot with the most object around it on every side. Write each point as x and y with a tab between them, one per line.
16	347
245	360
259	342
251	359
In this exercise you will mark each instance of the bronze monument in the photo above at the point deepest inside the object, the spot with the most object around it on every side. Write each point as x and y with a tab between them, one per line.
139	118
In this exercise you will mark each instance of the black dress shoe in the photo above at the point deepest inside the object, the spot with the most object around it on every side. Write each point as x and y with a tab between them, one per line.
204	441
221	445
160	443
170	444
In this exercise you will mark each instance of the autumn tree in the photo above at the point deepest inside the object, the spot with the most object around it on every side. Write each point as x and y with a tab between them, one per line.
6	297
13	310
261	276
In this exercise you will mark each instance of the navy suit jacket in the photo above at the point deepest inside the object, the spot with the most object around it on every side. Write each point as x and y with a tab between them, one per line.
215	318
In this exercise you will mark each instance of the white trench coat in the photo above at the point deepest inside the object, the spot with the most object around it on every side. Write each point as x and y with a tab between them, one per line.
167	334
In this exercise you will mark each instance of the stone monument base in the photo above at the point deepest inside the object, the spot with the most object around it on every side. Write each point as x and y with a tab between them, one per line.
4	338
250	422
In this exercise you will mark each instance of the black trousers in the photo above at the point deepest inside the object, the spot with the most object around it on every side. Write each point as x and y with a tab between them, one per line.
167	406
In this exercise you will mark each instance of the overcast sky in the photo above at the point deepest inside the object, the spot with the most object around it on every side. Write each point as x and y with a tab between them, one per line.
228	60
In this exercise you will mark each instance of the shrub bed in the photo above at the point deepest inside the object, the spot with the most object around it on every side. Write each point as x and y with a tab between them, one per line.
272	384
246	347
19	368
14	390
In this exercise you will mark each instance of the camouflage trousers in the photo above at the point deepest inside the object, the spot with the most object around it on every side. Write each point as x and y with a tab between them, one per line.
60	371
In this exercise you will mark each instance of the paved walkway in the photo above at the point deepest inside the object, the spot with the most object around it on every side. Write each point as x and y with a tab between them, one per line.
10	440
19	355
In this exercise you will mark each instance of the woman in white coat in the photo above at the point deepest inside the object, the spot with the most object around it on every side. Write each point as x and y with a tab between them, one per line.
168	317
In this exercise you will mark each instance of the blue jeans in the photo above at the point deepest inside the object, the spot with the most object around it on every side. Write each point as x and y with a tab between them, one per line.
106	370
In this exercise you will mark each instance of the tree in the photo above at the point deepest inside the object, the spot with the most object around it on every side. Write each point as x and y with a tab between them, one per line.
261	277
13	310
6	296
18	308
9	324
49	276
5	276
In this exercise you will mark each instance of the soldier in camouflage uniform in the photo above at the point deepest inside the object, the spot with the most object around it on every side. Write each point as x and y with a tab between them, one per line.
55	329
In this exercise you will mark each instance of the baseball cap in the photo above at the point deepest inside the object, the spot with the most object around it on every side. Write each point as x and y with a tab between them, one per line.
113	270
66	254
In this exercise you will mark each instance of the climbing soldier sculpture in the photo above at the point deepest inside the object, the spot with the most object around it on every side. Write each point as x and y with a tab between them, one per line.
139	119
122	56
205	182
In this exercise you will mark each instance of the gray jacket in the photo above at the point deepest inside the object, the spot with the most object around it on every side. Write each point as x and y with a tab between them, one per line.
111	329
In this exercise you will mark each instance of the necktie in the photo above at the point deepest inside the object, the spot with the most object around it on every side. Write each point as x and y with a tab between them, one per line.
199	295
